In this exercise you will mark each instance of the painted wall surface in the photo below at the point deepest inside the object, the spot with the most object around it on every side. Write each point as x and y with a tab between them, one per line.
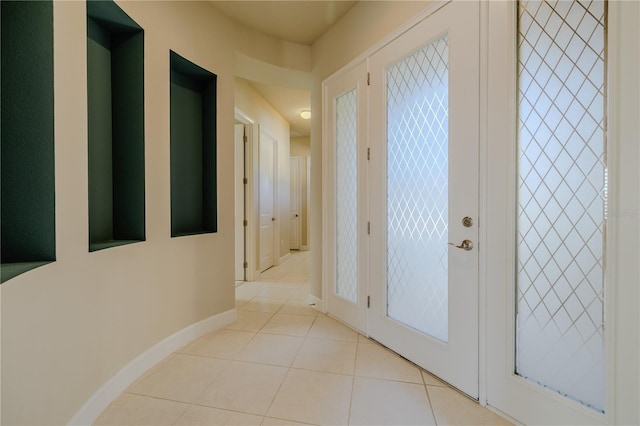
362	27
301	147
267	119
69	327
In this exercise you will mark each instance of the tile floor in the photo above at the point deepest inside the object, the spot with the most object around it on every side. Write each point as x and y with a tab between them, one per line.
283	363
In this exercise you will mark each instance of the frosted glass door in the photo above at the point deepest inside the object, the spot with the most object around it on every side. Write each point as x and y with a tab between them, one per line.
424	179
346	241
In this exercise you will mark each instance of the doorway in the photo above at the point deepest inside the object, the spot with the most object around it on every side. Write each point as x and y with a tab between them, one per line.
403	233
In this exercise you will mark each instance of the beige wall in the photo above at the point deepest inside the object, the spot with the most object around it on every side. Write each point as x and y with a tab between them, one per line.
267	119
69	327
301	146
362	27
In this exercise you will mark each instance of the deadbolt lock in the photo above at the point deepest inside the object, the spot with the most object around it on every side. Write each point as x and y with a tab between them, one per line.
467	222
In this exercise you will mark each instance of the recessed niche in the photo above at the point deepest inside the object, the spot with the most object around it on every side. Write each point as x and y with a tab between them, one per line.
27	144
193	148
115	99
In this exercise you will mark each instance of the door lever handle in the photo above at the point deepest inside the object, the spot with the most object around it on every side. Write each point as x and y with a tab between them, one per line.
465	245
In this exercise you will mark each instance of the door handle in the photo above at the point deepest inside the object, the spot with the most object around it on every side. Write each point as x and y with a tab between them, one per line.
465	245
273	219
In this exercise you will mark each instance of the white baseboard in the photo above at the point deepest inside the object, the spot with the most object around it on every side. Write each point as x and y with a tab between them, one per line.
100	400
316	302
285	257
304	248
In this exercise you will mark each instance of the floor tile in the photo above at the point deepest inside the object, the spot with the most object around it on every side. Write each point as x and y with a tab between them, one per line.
290	325
432	380
452	408
373	360
262	304
271	349
298	307
313	397
222	344
385	402
245	387
269	421
328	328
276	293
332	356
250	321
136	410
197	416
182	378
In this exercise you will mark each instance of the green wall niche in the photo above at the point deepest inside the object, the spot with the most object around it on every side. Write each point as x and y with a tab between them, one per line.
115	77
193	148
27	182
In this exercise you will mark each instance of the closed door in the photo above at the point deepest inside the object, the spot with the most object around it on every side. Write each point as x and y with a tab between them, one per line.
295	205
267	212
424	195
346	239
239	203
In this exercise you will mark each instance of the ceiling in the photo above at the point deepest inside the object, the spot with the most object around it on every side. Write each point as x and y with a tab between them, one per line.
288	102
300	21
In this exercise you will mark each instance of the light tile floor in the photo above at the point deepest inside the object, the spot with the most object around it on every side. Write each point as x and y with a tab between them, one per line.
283	363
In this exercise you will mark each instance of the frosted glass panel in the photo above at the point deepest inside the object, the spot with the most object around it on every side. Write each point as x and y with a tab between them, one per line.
417	190
346	197
561	197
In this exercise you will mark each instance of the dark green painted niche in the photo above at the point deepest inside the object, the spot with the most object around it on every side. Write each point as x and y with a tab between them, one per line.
193	148
27	144
115	92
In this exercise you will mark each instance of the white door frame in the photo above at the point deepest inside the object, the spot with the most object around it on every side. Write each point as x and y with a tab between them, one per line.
250	197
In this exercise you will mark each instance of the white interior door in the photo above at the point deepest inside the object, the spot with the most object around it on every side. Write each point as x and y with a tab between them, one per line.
267	159
346	215
295	202
239	203
424	178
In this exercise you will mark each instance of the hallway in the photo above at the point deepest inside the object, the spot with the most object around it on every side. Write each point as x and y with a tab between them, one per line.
282	362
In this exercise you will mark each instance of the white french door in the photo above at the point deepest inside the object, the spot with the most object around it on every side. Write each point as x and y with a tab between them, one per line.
424	200
346	212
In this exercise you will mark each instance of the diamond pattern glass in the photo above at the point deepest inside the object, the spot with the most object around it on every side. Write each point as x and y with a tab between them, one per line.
347	196
561	197
417	190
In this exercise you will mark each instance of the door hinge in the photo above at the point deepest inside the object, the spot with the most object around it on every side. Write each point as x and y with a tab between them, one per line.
368	79
245	139
245	265
368	153
245	181
368	228
368	301
245	223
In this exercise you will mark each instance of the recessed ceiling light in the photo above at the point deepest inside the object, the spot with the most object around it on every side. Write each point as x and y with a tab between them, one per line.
305	114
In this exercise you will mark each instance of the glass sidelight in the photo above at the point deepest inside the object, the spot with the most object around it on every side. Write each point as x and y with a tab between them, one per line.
562	197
